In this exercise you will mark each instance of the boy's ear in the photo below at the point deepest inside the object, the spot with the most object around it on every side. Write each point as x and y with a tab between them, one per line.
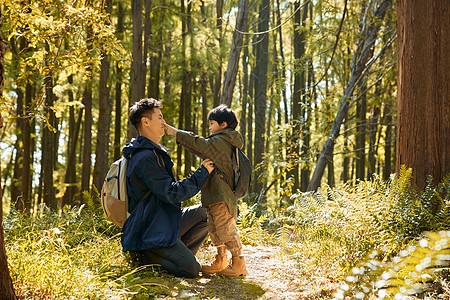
223	125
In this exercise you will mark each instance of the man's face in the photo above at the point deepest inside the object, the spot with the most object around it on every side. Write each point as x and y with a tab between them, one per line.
153	125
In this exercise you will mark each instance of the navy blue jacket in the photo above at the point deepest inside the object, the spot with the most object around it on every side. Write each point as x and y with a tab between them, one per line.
155	222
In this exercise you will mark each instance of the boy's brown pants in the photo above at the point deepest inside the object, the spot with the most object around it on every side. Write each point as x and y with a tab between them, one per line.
222	228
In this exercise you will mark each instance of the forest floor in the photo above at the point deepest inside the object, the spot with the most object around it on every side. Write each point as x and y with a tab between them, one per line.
271	275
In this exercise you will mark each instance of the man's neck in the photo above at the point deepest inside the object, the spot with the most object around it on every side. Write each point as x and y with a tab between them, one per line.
154	139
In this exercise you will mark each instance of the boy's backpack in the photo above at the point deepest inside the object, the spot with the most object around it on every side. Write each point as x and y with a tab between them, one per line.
242	173
114	195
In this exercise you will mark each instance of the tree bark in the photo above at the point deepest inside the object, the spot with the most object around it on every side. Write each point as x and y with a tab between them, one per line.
6	285
27	151
233	59
244	99
70	176
118	89
262	61
218	74
388	140
423	99
360	145
88	120
48	144
137	85
104	119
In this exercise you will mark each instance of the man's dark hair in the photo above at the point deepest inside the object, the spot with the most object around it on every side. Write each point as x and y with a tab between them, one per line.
222	114
143	107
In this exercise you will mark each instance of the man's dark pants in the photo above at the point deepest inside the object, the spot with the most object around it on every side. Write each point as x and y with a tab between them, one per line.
180	259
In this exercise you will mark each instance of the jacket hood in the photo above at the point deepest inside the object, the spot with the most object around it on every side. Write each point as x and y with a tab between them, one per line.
139	142
232	136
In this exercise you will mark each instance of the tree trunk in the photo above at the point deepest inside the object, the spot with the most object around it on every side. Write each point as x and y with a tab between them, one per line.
27	151
48	144
155	48
70	177
188	90
373	129
137	85
305	111
388	140
359	65
423	99
299	90
6	286
250	121
218	73
360	145
204	83
104	119
233	60
87	139
244	99
118	88
262	61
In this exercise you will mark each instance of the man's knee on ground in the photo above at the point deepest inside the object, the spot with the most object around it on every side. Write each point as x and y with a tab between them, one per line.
190	270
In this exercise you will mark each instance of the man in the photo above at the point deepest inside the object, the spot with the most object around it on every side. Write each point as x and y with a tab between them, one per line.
158	231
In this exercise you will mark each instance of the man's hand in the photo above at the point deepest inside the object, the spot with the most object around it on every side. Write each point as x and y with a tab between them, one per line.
170	130
208	164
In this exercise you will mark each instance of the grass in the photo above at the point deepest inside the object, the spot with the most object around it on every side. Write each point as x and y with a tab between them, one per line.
76	254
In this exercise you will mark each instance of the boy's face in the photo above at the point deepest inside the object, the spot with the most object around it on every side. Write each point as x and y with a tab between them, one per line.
216	127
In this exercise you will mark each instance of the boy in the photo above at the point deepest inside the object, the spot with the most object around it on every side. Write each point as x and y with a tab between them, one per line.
217	194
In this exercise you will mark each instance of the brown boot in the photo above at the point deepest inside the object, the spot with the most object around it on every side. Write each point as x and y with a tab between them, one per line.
219	263
237	267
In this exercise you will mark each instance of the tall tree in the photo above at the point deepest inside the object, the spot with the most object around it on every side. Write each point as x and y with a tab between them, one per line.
262	62
233	60
217	80
423	98
137	85
6	286
360	144
48	143
299	89
88	119
104	117
118	87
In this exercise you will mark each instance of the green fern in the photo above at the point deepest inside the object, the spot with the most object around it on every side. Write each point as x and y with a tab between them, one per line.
412	272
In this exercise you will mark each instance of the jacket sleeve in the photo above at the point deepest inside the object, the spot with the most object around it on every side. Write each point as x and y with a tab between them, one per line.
202	147
156	178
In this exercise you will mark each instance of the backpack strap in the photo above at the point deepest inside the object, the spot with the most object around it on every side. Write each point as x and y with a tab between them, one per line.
138	184
145	196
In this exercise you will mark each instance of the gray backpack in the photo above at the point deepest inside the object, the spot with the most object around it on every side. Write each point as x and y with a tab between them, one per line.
242	173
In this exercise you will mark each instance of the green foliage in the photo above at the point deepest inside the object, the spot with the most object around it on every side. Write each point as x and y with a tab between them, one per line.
65	254
412	272
336	228
250	225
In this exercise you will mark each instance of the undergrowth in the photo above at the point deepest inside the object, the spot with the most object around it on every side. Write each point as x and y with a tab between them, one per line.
378	239
334	231
76	254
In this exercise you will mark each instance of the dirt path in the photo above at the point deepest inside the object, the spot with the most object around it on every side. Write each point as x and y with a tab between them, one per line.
272	275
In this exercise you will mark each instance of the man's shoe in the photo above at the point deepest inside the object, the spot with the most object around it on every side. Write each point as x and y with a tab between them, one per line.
218	265
237	268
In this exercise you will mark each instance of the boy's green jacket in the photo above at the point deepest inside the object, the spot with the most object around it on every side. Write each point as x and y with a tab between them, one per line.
217	147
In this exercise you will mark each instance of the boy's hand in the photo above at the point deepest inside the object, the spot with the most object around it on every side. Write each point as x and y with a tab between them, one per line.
208	164
170	130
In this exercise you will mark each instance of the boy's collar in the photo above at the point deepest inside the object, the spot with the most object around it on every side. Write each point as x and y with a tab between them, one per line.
216	133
